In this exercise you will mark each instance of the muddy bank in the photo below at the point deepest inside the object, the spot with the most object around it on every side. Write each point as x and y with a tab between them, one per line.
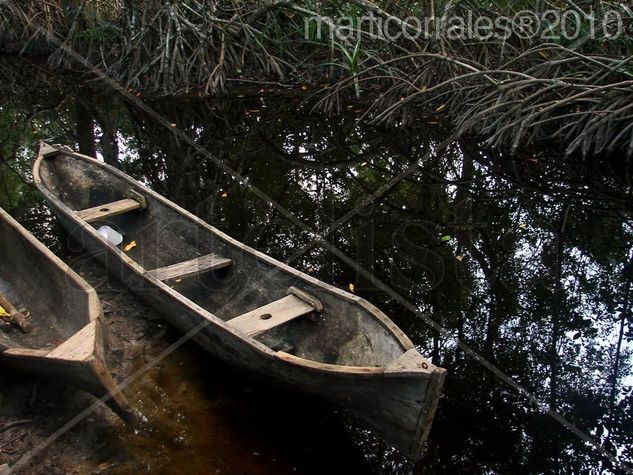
193	413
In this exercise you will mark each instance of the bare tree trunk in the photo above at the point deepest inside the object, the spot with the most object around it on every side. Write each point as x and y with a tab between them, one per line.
463	223
557	316
618	349
109	140
85	129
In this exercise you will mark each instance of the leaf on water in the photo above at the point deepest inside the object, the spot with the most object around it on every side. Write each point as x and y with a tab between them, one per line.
446	238
351	287
364	164
130	246
4	313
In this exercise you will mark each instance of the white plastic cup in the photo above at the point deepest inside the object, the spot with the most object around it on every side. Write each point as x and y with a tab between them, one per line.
111	235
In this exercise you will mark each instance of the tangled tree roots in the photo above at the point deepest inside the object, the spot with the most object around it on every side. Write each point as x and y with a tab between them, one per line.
514	92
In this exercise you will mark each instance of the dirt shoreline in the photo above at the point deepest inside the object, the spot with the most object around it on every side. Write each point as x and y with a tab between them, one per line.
32	410
194	413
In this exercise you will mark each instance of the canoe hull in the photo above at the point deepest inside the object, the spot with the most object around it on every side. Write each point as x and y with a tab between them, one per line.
89	374
390	388
67	342
396	408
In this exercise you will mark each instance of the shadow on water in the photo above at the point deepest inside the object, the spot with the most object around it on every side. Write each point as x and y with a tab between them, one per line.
527	259
200	416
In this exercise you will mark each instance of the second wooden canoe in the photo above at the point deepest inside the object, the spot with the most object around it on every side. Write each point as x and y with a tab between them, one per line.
243	306
61	312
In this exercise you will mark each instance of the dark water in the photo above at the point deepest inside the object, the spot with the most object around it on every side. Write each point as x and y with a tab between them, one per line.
526	259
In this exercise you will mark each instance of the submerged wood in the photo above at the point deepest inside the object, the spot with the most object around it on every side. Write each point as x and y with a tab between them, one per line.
66	341
349	352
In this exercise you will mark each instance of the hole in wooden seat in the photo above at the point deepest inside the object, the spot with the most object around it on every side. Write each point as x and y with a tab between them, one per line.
277	313
108	210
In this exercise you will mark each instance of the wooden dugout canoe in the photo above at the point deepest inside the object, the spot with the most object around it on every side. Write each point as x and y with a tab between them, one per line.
243	306
66	341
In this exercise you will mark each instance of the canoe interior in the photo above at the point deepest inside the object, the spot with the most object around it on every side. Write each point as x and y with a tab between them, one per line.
345	334
58	307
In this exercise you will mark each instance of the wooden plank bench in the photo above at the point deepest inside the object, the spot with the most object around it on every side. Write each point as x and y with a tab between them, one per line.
182	270
276	313
108	210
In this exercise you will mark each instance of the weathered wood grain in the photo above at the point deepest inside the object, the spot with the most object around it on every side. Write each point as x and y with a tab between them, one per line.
269	316
409	363
196	266
352	354
25	352
108	210
79	347
62	307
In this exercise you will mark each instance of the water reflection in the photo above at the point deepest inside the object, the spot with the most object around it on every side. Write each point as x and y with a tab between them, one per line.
527	259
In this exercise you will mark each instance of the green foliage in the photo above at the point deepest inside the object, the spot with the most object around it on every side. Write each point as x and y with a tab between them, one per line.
352	64
100	34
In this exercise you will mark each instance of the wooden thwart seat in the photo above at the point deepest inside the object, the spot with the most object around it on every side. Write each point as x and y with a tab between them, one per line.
276	313
108	210
79	347
185	269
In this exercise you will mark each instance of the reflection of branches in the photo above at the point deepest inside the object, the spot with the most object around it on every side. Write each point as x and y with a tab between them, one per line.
547	177
624	316
315	159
